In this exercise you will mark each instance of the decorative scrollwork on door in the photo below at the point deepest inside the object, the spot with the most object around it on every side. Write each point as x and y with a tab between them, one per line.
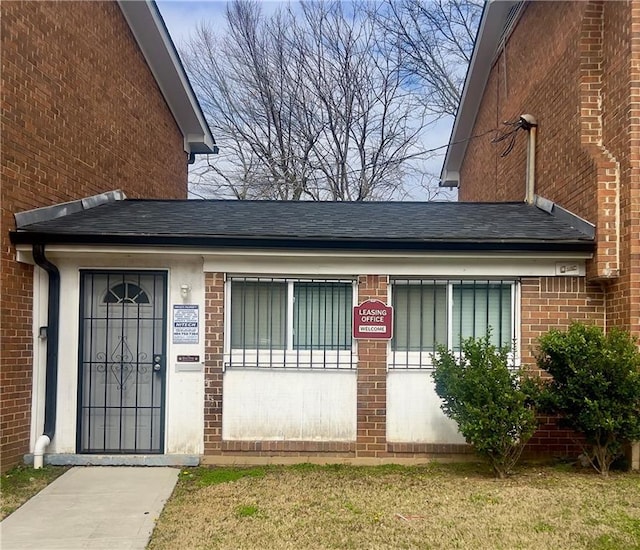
120	364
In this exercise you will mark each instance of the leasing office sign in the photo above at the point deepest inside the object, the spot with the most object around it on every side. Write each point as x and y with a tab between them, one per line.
373	319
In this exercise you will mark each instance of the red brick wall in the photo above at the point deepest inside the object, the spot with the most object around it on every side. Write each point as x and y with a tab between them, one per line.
213	361
16	293
517	86
555	302
371	440
80	114
554	441
575	66
630	176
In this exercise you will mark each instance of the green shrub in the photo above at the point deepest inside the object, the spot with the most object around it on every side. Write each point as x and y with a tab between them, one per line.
595	387
484	396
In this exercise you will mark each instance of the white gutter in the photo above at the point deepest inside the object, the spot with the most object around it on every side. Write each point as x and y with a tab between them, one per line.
161	55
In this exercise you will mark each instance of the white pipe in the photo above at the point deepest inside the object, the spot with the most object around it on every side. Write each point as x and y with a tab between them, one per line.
530	123
38	452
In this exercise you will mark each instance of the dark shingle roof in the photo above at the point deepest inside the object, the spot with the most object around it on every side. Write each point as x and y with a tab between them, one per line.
414	225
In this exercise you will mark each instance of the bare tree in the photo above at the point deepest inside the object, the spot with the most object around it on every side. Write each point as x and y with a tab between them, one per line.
436	39
246	81
367	123
304	104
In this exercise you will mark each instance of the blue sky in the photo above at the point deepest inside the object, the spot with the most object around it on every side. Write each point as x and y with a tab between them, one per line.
182	16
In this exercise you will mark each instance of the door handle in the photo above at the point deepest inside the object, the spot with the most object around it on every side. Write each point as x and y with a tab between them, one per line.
157	363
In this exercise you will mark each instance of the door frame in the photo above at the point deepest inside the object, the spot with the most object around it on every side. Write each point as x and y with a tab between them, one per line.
164	274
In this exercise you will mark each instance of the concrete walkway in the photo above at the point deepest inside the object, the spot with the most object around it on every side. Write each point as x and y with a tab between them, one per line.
101	508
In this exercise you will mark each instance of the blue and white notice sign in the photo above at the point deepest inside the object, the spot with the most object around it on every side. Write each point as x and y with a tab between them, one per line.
185	324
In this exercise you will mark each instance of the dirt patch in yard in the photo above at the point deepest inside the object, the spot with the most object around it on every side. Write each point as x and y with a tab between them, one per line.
434	506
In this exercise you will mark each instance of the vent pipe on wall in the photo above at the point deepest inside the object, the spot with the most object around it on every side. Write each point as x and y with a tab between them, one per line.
530	124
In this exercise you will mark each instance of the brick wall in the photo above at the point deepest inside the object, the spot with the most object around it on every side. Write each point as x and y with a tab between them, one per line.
555	302
213	361
518	85
576	67
80	114
372	377
536	73
630	179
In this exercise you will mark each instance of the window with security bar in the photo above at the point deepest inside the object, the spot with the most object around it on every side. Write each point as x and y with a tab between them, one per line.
431	313
290	323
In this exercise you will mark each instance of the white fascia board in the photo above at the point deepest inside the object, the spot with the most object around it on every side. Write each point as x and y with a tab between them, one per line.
327	263
398	266
490	30
161	55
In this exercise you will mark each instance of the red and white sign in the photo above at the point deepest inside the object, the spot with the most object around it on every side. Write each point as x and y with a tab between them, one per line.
373	319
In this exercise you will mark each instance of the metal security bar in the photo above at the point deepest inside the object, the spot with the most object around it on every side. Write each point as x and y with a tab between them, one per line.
429	313
289	323
122	362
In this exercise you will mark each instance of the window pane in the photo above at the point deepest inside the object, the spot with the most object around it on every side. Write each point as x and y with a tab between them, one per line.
420	316
322	315
128	293
478	307
258	315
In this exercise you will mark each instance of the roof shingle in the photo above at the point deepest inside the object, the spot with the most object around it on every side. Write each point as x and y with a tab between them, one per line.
290	222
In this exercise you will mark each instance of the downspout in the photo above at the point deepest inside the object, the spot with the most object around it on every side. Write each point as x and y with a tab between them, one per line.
51	380
530	124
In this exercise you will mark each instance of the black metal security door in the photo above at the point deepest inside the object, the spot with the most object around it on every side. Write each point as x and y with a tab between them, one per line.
122	362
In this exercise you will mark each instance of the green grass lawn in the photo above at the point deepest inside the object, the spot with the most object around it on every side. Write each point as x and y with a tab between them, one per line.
431	506
21	483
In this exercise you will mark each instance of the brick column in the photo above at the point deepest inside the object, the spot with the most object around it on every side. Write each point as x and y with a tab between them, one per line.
371	439
606	263
633	217
213	357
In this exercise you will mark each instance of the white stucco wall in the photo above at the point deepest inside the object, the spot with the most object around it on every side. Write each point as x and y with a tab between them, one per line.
185	388
184	410
413	410
294	405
